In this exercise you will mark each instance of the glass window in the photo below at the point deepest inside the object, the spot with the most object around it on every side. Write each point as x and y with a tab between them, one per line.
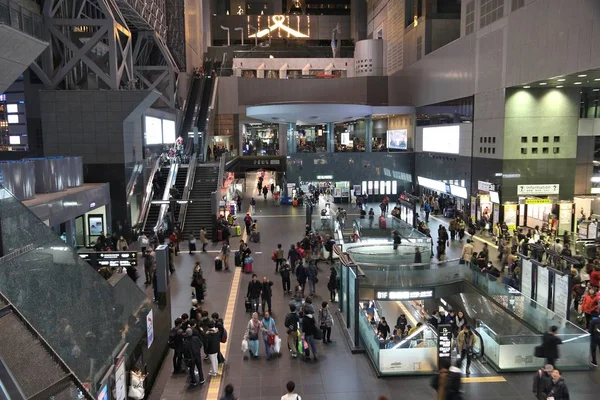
379	134
350	136
311	138
260	139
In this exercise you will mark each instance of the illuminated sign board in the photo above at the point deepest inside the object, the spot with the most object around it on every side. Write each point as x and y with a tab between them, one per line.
117	259
279	23
442	139
404	294
444	341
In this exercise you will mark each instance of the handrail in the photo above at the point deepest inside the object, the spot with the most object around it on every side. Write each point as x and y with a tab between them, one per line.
164	207
210	116
189	185
149	194
216	194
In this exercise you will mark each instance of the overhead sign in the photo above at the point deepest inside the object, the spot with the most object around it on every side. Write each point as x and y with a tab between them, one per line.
117	259
444	341
433	184
404	294
524	190
485	186
538	201
278	22
324	177
458	191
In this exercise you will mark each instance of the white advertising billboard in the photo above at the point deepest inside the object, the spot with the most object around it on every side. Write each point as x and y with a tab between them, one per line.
168	129
153	130
397	139
441	139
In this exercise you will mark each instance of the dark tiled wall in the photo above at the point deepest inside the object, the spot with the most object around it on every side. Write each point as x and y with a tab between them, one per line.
443	167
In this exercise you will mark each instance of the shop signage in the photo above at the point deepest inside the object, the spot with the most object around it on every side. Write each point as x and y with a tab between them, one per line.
150	328
324	177
267	162
403	294
444	341
565	213
538	201
118	259
523	190
458	191
561	295
510	216
92	205
432	184
485	186
494	197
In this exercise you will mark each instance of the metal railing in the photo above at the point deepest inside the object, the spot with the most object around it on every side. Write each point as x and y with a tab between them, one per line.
165	207
22	19
189	185
210	118
216	195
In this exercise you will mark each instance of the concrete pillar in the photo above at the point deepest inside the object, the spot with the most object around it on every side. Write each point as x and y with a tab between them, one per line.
291	138
70	232
330	137
368	134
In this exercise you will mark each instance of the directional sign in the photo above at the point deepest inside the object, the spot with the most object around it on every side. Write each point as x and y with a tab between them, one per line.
444	341
524	190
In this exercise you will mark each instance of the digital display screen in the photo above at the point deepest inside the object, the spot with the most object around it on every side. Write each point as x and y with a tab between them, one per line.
103	392
153	130
14	139
117	259
12	108
13	118
168	130
397	139
442	139
404	294
444	341
494	197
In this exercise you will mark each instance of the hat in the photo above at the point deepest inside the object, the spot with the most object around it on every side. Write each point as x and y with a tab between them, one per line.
189	332
194	302
548	368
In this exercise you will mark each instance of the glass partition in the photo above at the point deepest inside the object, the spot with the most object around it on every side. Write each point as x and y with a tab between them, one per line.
384	254
413	275
352	302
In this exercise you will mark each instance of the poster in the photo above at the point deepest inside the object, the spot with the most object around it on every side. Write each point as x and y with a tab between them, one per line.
541	292
473	208
150	328
526	278
397	139
496	215
510	216
561	295
120	380
96	225
345	138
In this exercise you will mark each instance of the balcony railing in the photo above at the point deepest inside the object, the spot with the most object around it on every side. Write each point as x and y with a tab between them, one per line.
22	19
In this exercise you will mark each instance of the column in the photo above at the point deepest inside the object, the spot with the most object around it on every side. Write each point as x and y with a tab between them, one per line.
330	137
291	138
70	233
368	134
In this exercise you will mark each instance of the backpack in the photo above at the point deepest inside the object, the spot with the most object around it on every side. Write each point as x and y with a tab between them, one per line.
172	338
274	256
329	245
223	334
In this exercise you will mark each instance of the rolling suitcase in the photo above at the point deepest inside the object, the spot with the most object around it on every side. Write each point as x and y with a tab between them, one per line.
248	265
248	305
218	264
295	203
237	259
219	235
382	223
255	237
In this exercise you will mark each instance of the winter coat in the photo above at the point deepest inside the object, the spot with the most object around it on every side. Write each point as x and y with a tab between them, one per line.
309	326
550	344
542	384
325	317
252	330
589	304
559	390
213	341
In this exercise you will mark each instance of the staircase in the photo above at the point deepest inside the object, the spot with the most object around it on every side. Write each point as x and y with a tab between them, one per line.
180	184
199	212
154	209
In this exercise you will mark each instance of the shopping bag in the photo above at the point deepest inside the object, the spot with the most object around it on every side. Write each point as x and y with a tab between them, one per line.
277	346
300	347
244	346
271	340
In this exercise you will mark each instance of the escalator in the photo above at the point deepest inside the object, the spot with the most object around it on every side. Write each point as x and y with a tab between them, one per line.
154	210
192	106
180	184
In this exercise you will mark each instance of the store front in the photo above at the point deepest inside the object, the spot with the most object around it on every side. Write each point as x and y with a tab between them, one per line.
339	190
408	208
311	138
350	136
486	203
538	207
260	139
453	192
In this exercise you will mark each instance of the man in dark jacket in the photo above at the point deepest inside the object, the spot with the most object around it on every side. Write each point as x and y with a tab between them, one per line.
397	240
542	382
193	346
291	325
285	271
222	334
559	389
266	294
550	344
176	343
254	290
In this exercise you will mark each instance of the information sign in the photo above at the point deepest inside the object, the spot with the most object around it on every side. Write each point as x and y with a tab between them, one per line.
404	294
444	342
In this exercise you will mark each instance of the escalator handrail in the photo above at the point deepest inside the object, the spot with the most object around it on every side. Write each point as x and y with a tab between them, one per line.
189	185
198	103
186	106
209	117
481	343
149	194
164	207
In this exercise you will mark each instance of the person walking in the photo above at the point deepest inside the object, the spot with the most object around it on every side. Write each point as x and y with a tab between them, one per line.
266	294
594	330
447	383
203	239
332	283
198	282
559	390
254	291
427	211
278	257
251	335
293	256
325	322
213	346
311	275
589	305
148	265
292	323
229	393
248	223
285	272
253	206
301	276
452	228
122	244
397	240
309	328
176	343
467	252
542	382
143	242
466	340
193	347
460	225
224	254
269	332
192	243
371	218
291	394
550	344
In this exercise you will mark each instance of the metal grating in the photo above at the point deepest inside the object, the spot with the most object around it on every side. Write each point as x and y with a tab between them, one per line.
144	15
33	366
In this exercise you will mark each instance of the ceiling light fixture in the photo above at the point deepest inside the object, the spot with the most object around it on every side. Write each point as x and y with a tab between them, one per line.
561	80
577	83
595	90
526	87
597	79
559	86
581	76
543	83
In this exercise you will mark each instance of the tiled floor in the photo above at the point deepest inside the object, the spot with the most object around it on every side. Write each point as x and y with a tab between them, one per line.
338	374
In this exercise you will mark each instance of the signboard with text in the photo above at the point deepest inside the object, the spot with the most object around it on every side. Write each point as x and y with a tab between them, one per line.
444	342
534	190
404	294
117	259
485	186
